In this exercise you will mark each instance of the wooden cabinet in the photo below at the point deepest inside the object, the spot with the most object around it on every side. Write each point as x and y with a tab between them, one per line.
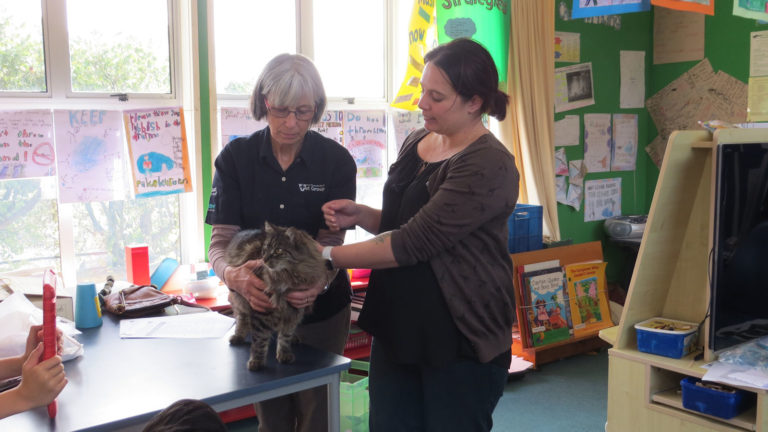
670	280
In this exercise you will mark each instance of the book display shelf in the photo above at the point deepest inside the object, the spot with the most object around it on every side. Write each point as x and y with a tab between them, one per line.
572	254
670	280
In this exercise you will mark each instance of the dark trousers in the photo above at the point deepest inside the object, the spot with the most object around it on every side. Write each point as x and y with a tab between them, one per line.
458	397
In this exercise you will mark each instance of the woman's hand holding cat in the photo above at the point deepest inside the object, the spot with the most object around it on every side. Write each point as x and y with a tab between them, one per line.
243	280
305	296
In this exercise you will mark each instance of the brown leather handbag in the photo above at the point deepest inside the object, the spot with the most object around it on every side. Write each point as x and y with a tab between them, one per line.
141	300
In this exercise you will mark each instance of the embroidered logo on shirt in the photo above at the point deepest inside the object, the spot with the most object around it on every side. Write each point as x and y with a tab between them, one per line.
304	187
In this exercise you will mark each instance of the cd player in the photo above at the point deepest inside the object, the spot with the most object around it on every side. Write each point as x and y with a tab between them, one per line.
625	227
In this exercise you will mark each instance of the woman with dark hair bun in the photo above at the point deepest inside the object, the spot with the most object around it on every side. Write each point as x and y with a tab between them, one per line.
439	302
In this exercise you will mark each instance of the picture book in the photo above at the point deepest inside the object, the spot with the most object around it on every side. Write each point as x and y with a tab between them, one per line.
545	306
588	298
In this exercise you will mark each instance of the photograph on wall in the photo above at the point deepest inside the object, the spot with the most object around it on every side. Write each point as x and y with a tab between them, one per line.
573	87
602	199
590	8
157	144
237	122
26	144
90	153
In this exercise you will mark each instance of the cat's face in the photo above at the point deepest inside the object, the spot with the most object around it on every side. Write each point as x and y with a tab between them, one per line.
285	248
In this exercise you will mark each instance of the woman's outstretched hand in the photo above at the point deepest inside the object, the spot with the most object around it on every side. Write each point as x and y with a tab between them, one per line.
341	213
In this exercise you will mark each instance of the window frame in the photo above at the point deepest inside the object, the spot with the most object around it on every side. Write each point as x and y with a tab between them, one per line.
182	16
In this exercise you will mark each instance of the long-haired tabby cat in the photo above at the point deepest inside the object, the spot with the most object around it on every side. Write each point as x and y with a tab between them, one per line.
291	262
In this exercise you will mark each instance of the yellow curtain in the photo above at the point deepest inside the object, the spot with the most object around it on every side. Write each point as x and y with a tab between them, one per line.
528	129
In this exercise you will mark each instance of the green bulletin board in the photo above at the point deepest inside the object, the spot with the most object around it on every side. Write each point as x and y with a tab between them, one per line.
726	47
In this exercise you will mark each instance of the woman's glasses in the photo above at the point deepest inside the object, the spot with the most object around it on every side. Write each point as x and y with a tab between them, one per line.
301	113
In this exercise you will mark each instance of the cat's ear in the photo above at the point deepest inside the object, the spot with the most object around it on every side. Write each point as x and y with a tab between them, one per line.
268	228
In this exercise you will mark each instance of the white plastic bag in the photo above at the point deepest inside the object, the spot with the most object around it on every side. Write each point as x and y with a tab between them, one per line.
17	315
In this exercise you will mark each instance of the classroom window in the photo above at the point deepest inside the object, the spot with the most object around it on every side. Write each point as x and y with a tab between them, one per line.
80	53
119	47
29	228
22	58
349	43
235	21
103	229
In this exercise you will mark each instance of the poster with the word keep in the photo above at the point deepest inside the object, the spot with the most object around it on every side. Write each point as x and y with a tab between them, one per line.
90	153
26	144
237	122
602	199
365	136
157	144
331	125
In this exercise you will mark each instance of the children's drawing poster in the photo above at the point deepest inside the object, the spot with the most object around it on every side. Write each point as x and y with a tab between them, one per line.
754	9
590	8
365	136
331	125
597	142
567	47
602	199
573	87
90	155
237	122
406	122
26	144
158	146
624	142
700	6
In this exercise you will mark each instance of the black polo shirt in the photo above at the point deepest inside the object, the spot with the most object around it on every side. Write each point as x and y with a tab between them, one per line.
250	187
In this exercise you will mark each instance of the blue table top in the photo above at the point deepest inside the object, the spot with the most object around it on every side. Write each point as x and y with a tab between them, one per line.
118	382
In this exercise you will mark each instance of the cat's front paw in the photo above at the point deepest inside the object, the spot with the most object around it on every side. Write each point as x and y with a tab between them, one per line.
236	339
285	356
254	364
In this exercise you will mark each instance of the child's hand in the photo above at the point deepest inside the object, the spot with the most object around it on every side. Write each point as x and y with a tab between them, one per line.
36	336
41	381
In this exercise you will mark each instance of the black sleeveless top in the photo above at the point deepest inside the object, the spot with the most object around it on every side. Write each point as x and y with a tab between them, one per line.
404	307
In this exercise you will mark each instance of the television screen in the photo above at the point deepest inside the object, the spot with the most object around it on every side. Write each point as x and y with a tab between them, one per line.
739	281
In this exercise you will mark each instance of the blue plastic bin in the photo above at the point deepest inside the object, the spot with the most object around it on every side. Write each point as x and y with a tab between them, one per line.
666	337
726	403
525	228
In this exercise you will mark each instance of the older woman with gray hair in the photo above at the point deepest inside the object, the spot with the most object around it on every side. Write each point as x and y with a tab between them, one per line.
283	174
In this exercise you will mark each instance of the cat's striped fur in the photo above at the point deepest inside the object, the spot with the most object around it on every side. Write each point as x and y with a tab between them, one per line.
291	262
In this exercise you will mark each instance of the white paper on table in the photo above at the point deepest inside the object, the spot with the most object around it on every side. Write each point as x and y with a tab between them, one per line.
567	131
632	90
187	326
736	375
